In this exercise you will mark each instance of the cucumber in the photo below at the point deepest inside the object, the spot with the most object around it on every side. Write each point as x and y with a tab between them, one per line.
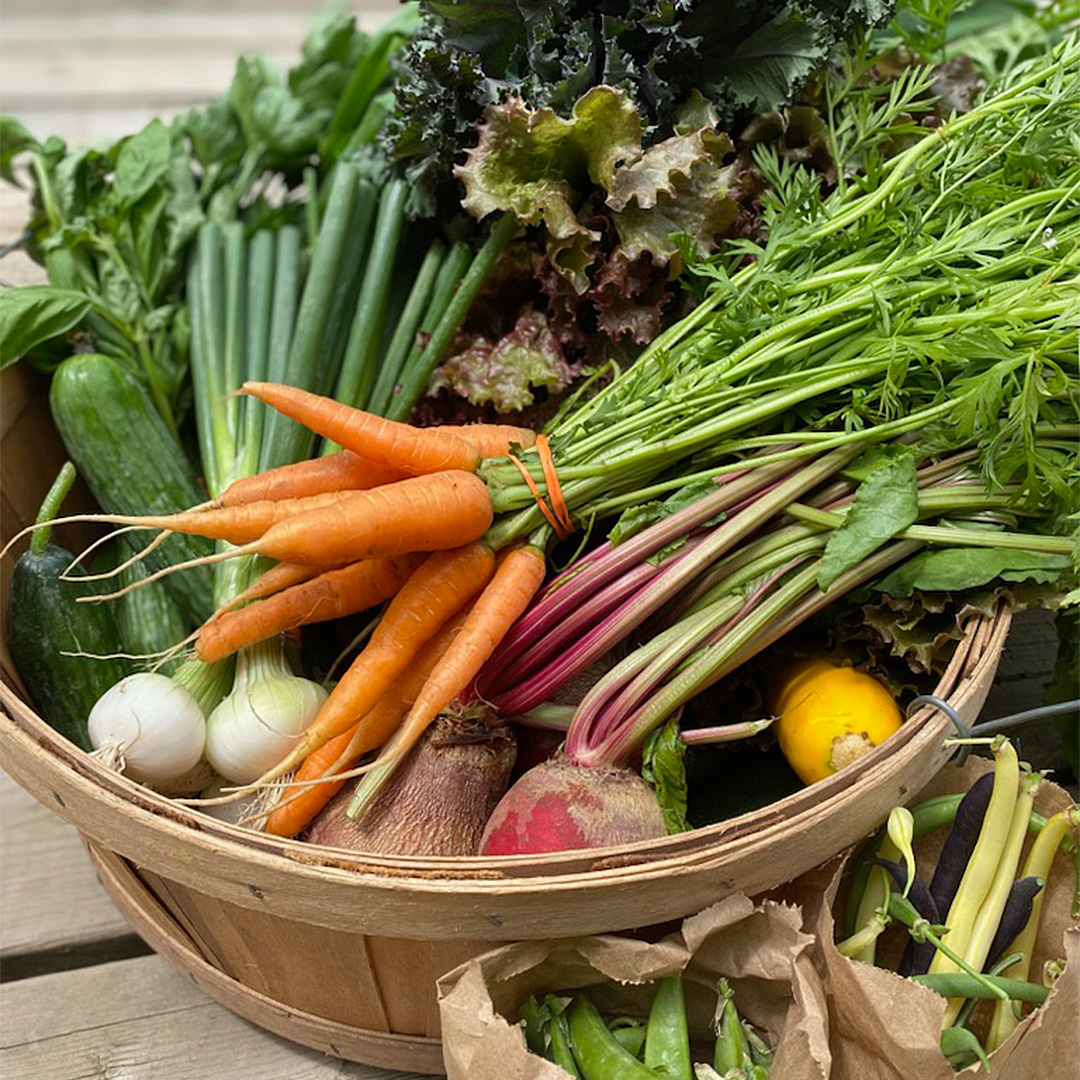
45	622
149	619
132	463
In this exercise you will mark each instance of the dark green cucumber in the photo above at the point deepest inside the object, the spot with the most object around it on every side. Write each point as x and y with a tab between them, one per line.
46	624
131	463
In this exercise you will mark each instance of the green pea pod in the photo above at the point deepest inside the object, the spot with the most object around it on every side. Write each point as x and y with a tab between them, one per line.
629	1033
598	1054
560	1038
667	1038
961	1048
730	1051
532	1020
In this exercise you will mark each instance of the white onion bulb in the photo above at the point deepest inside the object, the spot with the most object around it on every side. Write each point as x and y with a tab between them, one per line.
150	725
258	724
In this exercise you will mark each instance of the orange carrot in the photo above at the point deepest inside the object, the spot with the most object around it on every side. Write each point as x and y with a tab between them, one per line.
422	513
330	595
234	524
343	471
411	449
493	440
303	800
436	590
280	576
518	577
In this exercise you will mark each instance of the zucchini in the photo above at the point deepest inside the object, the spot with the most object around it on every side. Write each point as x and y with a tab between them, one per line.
131	463
45	623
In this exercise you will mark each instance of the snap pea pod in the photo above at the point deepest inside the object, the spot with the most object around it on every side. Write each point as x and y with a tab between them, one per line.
629	1033
730	1050
667	1038
597	1052
559	1032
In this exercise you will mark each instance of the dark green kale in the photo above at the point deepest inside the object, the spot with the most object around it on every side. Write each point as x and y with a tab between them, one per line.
746	56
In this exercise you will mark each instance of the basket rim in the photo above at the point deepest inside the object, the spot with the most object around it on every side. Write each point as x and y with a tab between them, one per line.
980	646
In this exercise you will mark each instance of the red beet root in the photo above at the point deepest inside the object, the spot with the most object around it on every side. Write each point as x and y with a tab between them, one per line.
560	806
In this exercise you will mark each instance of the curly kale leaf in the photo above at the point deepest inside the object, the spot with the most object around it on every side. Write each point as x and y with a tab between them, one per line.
745	56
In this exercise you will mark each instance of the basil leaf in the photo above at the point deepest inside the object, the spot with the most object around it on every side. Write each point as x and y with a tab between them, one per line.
885	503
36	313
142	161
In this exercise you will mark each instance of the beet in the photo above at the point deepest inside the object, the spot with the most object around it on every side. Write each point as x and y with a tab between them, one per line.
438	800
560	806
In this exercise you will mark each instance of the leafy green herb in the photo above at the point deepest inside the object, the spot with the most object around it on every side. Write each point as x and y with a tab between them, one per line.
35	314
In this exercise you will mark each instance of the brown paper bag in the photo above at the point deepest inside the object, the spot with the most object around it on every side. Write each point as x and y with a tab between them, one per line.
760	948
884	1027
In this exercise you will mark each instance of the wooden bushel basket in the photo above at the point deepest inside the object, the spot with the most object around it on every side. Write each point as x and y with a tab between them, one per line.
340	951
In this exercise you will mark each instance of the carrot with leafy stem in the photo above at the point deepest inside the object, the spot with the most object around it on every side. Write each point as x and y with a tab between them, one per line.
436	591
345	470
401	446
519	575
331	594
304	798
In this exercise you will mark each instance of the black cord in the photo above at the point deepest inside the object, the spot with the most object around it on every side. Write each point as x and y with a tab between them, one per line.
1003	723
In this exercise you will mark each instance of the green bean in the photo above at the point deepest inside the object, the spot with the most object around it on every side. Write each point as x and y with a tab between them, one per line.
933	814
596	1051
982	865
960	984
667	1038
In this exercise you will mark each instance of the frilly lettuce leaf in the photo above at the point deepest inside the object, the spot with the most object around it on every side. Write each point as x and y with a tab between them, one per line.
548	170
504	373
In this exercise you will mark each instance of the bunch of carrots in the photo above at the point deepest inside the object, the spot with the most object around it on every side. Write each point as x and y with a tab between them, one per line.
396	515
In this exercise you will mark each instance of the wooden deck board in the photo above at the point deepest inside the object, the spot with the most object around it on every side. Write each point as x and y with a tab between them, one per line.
49	894
141	1020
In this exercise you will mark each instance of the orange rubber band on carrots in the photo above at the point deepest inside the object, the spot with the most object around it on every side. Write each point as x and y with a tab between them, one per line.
552	520
558	502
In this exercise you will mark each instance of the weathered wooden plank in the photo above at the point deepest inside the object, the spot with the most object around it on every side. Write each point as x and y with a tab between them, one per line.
49	894
141	1020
